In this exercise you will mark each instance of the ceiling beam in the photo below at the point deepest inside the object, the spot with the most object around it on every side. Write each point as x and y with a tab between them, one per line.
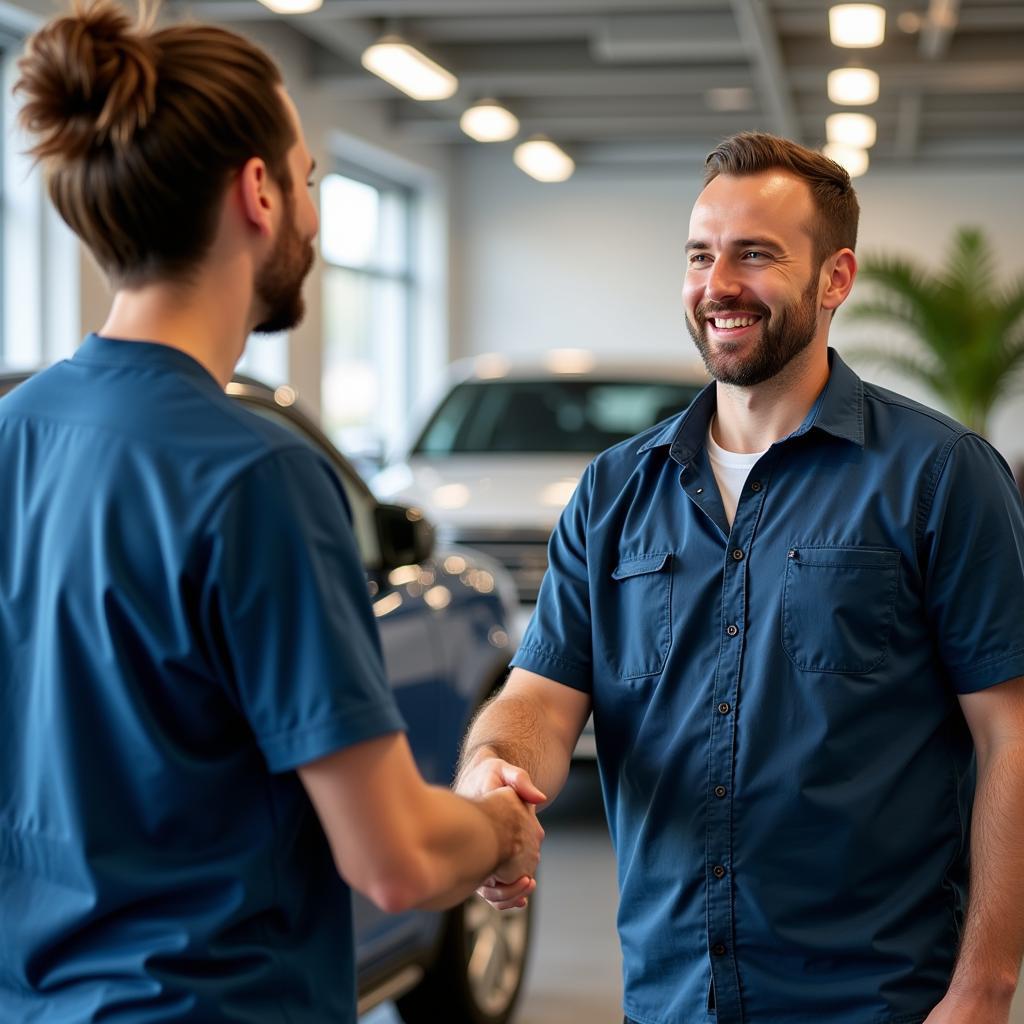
938	27
341	10
762	44
596	82
575	128
908	125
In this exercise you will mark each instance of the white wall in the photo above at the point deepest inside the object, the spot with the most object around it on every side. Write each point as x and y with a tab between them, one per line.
597	262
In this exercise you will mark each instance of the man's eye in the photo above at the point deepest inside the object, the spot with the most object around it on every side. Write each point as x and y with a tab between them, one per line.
754	254
698	257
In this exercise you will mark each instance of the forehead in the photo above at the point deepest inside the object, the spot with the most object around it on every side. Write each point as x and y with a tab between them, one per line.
750	205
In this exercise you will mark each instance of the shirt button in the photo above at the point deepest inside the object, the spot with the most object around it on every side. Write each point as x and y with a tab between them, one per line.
718	871
724	708
732	630
718	949
720	791
737	555
756	486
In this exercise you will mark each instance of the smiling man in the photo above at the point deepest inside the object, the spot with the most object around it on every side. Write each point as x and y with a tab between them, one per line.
795	611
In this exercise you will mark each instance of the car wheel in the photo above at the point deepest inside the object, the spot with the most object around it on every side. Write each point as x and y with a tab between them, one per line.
479	971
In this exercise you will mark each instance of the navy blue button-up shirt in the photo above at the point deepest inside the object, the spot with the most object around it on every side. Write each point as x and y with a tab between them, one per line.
787	773
183	621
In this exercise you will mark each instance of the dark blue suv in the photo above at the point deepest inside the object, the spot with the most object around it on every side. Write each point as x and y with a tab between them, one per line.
444	623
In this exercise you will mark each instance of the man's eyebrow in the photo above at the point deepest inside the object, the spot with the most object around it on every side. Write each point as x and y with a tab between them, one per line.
312	167
757	243
738	243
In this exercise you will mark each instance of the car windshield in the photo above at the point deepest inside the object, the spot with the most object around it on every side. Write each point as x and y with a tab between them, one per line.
548	416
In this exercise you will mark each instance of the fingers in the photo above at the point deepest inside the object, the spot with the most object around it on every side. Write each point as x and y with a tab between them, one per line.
521	782
507	896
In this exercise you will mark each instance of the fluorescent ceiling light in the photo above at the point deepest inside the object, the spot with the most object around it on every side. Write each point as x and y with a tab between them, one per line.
856	24
488	121
857	130
292	6
404	67
853	86
853	159
543	160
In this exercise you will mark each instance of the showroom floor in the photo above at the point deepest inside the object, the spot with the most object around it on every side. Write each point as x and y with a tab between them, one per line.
574	972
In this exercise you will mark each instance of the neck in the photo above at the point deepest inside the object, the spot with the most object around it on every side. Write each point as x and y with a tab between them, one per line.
208	321
752	419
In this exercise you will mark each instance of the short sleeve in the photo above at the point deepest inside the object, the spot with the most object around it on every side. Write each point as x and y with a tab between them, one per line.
287	613
973	543
558	643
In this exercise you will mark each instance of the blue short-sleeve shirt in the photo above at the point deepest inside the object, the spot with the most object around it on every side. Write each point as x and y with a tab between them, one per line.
183	620
787	773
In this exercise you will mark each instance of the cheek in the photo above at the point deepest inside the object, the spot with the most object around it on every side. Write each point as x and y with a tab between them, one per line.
692	292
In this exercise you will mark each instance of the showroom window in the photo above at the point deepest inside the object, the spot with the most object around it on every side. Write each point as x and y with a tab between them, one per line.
39	256
369	292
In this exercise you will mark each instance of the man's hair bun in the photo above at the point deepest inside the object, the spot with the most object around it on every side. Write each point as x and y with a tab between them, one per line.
88	80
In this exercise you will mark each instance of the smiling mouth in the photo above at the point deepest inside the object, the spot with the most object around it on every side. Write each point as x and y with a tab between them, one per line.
728	323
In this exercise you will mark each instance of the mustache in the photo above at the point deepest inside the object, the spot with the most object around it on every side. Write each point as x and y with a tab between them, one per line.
709	309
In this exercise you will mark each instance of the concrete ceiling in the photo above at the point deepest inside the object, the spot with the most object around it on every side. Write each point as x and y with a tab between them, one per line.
656	81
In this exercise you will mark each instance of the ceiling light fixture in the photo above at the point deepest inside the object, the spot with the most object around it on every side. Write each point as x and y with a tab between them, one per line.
857	130
853	86
403	66
850	157
543	160
856	24
293	6
488	121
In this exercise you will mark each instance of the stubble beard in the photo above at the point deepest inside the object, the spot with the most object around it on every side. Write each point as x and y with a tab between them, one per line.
278	285
783	337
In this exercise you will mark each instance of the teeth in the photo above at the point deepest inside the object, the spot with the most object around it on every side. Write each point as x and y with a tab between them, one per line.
737	321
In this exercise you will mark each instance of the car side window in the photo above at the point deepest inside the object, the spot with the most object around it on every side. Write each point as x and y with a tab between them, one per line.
362	504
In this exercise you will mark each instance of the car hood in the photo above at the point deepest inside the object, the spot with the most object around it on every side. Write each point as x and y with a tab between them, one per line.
495	489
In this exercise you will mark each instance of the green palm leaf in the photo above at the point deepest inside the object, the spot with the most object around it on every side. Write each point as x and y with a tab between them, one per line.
969	330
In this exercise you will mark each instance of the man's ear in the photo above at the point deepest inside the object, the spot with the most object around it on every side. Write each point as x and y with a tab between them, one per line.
841	269
255	191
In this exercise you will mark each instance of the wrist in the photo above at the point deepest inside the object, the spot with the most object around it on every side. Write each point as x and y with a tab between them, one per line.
992	986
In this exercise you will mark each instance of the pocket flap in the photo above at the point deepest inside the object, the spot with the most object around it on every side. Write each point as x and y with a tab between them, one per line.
637	565
845	557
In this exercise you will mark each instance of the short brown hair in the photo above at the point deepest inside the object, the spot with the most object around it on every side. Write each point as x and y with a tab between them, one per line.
140	130
831	189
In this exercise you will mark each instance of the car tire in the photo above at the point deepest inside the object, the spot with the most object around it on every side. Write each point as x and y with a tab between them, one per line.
479	971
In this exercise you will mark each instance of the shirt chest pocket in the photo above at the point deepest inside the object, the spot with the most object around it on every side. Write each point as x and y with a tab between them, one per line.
838	607
637	634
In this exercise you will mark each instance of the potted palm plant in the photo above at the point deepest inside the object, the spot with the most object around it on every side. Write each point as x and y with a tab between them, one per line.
967	325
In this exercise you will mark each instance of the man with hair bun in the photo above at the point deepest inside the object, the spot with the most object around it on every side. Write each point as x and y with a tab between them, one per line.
795	611
190	675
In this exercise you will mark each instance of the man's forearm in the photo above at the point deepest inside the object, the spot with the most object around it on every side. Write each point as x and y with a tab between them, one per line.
516	729
993	942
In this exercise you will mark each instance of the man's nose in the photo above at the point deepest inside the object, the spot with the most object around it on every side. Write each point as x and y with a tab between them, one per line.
723	281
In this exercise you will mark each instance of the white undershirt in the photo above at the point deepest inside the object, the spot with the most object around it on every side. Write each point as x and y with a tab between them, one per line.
731	470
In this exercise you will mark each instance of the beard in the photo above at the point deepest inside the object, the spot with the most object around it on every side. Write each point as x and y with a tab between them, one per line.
278	285
783	337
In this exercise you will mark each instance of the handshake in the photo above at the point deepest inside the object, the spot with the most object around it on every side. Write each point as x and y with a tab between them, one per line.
509	797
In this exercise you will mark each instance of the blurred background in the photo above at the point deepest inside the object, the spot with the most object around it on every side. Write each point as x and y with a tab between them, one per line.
504	189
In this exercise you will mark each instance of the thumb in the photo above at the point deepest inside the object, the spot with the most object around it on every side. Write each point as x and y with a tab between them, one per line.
521	782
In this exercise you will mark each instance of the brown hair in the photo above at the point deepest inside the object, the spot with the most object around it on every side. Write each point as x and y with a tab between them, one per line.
831	189
140	130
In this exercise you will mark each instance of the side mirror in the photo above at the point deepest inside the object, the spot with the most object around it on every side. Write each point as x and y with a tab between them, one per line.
406	536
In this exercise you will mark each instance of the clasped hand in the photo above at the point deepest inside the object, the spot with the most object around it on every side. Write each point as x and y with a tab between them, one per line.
508	888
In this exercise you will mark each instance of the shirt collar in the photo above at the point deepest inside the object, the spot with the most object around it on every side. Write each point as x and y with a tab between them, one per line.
103	351
838	410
